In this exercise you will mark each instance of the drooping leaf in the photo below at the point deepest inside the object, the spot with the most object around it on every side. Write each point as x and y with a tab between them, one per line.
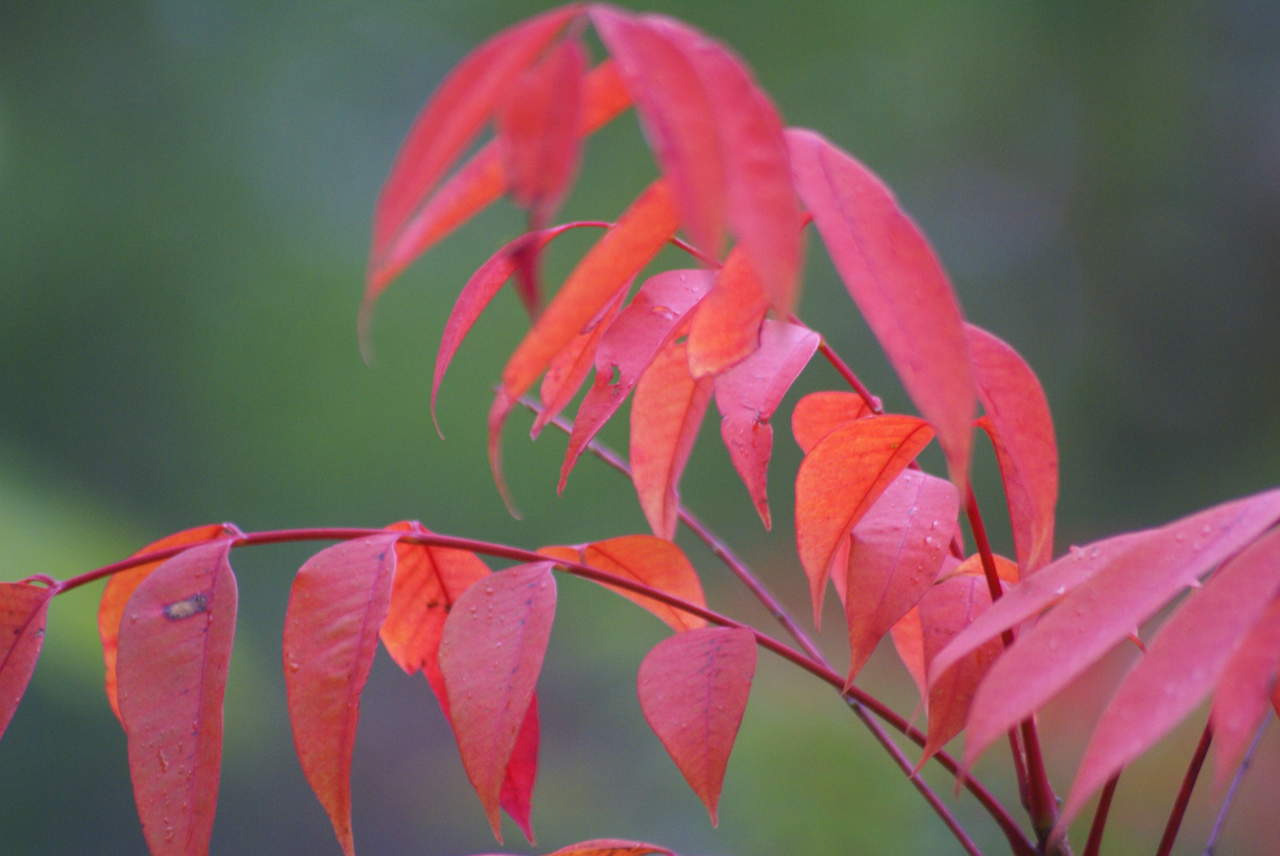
23	609
474	186
726	328
569	368
337	603
1180	667
647	559
454	115
840	479
819	413
628	347
678	115
693	689
615	259
491	653
1102	591
1245	691
1021	428
612	847
896	552
897	283
120	588
174	650
428	582
665	414
747	396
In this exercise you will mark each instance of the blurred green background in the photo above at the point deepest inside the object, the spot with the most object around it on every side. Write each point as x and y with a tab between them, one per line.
185	197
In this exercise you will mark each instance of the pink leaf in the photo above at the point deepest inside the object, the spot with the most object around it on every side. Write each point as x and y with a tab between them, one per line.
23	609
693	689
1180	667
726	328
840	479
897	549
819	413
175	647
665	416
897	283
1021	428
1244	692
337	603
569	368
1105	591
749	393
491	653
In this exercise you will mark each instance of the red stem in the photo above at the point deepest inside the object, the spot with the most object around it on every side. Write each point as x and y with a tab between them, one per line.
1184	793
1094	845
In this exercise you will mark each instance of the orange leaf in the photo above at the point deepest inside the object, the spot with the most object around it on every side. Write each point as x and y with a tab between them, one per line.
819	413
693	689
612	847
336	605
657	563
840	478
898	284
665	416
120	588
726	328
23	609
569	367
175	647
490	654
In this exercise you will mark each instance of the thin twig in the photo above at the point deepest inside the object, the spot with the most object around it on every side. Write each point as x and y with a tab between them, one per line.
1094	845
1220	822
1184	793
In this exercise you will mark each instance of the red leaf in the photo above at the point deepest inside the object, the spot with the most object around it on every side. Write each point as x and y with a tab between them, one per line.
516	797
819	413
474	186
539	130
23	609
693	689
726	328
678	115
840	479
1106	589
122	585
619	255
656	562
175	647
897	549
665	416
1244	691
455	114
897	283
1021	429
484	284
612	847
763	209
628	347
337	603
490	653
569	368
747	396
1180	667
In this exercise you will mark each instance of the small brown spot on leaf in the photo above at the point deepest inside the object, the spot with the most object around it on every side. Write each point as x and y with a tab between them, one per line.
186	607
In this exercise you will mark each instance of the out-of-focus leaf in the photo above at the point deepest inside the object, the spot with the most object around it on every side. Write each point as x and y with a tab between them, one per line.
898	284
628	347
693	689
726	328
897	549
1102	592
1245	691
749	393
174	650
1021	428
840	479
665	414
819	413
612	847
23	609
491	653
120	588
1180	667
338	601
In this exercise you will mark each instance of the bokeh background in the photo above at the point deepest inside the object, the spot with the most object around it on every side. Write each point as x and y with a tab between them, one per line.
185	196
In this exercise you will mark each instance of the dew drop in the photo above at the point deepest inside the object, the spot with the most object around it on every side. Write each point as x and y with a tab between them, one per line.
1206	530
488	589
1094	553
1060	590
929	540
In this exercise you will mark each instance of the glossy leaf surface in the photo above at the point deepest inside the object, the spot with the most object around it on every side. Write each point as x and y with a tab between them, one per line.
338	601
23	610
840	479
693	689
175	647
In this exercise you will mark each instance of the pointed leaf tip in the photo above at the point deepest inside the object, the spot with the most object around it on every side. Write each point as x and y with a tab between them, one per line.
693	690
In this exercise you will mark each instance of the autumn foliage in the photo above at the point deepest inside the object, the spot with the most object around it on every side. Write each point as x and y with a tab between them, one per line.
987	639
